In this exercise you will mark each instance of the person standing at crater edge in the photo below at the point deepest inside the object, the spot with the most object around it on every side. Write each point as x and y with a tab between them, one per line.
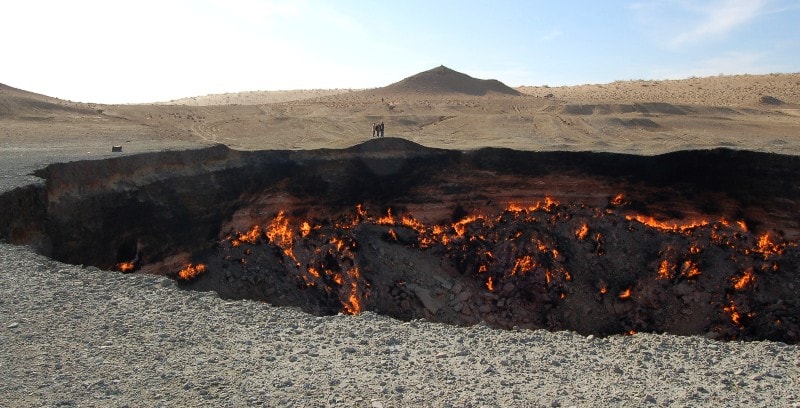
374	129
380	130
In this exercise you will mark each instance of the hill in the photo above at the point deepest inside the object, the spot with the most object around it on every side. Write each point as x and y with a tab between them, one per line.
445	81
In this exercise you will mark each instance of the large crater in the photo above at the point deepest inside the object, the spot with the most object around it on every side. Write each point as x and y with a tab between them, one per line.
696	242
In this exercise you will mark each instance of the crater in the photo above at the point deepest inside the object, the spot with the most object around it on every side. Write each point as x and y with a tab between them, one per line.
690	243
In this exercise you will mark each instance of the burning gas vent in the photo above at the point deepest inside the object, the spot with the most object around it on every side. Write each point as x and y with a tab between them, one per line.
700	242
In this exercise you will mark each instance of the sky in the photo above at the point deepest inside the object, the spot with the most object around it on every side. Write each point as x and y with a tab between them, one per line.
141	51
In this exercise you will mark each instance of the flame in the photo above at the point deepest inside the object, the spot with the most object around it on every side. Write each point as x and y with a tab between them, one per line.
736	317
690	270
742	225
490	284
313	272
625	294
305	229
360	211
766	247
745	280
251	236
523	265
392	234
603	288
353	304
582	232
665	270
664	226
387	219
192	271
460	227
279	233
125	267
548	275
410	222
618	199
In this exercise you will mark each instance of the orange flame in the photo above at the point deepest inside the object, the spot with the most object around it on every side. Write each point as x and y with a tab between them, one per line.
664	226
742	225
618	199
460	227
665	270
280	234
746	279
582	232
192	271
387	219
305	229
736	317
125	267
690	270
251	236
625	294
353	304
490	284
523	265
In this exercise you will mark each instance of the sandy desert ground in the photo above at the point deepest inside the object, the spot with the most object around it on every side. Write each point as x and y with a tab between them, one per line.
67	337
753	112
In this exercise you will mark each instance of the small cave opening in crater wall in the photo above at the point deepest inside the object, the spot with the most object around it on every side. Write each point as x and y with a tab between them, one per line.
689	243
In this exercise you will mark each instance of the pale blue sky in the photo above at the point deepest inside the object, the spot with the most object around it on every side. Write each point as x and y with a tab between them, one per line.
154	50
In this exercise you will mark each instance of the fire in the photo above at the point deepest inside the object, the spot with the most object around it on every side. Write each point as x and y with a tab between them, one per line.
410	222
618	199
742	225
690	270
766	247
513	207
392	234
665	270
736	317
490	284
353	304
745	280
625	294
192	271
305	229
125	267
460	227
582	232
603	288
251	236
664	226
523	265
279	233
360	211
387	219
313	272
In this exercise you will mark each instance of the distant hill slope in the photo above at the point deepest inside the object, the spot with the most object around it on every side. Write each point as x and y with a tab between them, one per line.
255	97
18	103
443	80
769	90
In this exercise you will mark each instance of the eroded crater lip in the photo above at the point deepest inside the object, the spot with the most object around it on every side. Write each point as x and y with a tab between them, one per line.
695	242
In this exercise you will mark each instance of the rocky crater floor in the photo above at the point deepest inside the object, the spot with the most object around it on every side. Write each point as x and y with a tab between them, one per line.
323	277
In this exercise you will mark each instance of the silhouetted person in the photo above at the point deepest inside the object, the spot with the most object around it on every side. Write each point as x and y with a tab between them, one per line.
374	129
380	130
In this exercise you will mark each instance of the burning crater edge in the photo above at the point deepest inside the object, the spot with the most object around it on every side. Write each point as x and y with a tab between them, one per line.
690	243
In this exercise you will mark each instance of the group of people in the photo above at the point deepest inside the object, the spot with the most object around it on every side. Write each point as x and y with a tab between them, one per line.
377	129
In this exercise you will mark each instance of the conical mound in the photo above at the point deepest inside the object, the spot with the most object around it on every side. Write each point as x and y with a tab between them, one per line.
443	80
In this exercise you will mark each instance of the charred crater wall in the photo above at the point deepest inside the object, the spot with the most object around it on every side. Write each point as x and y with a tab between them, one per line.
162	210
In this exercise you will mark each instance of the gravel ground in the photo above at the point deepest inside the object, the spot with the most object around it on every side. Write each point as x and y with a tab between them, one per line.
73	336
